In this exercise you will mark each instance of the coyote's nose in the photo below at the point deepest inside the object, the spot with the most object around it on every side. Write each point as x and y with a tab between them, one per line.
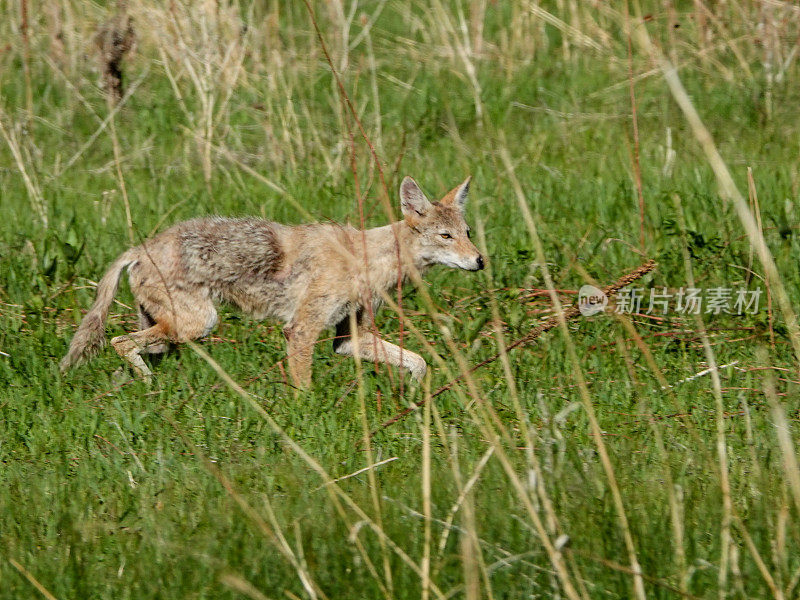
480	262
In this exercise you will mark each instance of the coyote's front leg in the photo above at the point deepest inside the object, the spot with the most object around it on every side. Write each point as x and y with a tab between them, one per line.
369	346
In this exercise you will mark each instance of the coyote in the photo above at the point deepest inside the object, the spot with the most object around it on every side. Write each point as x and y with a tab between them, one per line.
311	277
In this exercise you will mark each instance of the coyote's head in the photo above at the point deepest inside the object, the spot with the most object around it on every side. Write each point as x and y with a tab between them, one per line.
441	233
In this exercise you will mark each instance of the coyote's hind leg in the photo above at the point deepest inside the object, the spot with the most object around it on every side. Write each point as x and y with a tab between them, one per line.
131	346
145	322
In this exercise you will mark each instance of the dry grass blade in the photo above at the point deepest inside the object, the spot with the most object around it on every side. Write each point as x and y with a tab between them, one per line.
34	582
360	471
34	193
472	557
637	168
112	129
241	585
783	431
461	496
777	593
370	468
567	29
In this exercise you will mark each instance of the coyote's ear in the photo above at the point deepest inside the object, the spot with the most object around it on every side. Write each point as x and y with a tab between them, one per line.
458	196
412	200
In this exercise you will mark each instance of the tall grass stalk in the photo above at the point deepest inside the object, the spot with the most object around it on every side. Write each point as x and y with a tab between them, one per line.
375	494
112	130
597	432
427	509
722	448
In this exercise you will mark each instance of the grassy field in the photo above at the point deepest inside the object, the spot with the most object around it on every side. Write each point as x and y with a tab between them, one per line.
609	459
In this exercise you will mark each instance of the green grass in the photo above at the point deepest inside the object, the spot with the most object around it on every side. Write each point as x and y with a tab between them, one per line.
104	492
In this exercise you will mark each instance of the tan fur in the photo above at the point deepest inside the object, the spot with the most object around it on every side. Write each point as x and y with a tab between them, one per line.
311	277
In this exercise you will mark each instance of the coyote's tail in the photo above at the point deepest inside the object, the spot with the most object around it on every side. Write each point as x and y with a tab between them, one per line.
90	335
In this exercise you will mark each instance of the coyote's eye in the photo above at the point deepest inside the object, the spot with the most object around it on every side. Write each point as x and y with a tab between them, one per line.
446	236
